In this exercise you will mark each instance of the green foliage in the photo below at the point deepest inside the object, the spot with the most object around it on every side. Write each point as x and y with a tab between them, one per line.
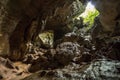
90	17
89	14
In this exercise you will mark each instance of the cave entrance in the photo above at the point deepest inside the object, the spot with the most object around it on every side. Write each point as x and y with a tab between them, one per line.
89	15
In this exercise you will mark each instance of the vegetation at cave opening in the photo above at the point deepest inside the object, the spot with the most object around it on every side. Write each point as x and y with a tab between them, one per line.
89	14
88	19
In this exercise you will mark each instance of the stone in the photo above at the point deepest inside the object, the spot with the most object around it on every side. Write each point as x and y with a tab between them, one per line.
97	70
66	51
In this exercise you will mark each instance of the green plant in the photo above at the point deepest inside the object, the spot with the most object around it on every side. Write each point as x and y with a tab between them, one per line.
89	14
90	17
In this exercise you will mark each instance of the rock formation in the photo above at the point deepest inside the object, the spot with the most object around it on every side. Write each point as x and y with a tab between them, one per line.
109	13
50	15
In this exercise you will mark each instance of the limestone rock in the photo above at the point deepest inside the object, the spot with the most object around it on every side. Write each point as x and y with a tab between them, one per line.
66	51
108	13
96	70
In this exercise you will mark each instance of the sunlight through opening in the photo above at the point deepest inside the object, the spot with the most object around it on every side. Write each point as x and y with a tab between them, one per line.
89	8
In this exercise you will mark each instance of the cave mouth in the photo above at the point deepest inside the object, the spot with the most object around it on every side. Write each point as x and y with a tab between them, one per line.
89	14
83	21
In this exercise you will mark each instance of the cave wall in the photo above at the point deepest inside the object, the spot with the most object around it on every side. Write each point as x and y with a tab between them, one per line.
109	13
17	16
15	25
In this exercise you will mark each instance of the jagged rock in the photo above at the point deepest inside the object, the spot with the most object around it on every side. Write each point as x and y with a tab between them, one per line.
66	51
56	58
96	70
104	69
12	70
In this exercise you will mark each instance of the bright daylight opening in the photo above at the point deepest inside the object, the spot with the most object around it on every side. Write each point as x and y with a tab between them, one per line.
89	14
89	8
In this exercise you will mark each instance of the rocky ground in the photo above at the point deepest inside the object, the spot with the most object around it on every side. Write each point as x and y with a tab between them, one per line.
73	58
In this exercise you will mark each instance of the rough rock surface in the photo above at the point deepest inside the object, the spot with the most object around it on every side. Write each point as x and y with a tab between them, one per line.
109	13
66	51
12	70
51	15
97	70
68	61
